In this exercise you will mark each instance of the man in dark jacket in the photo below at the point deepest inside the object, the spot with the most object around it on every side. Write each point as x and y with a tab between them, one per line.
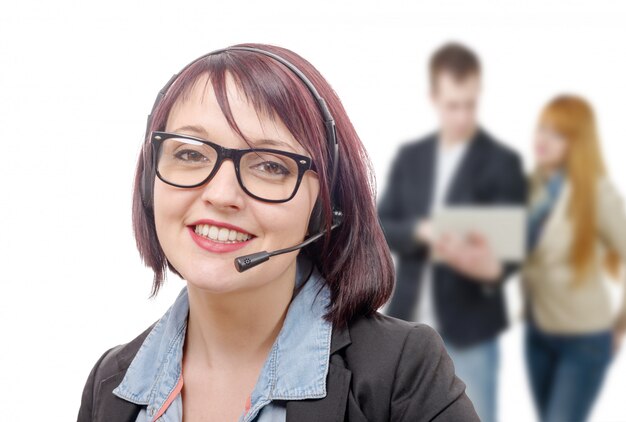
459	164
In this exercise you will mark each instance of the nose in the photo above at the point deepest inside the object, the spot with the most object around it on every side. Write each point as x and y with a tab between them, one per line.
223	190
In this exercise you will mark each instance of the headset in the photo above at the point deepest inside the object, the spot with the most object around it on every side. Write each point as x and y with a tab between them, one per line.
315	230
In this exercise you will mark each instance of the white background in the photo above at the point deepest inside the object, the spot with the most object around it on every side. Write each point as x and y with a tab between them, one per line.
78	78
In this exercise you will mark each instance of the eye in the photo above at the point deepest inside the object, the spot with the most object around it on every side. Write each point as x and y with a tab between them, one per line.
273	168
190	156
269	166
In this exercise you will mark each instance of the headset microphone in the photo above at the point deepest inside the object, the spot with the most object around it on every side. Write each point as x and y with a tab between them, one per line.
246	262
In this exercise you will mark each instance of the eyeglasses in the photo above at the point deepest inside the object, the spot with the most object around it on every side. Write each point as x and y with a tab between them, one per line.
265	174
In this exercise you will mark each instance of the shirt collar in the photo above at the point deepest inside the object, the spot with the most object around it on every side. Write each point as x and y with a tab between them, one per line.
296	366
457	149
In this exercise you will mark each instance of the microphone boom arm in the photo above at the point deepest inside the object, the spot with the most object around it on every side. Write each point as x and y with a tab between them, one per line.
243	263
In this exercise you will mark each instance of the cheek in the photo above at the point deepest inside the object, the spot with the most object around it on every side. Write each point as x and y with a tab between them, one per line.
554	149
560	150
281	225
540	146
170	205
286	224
550	150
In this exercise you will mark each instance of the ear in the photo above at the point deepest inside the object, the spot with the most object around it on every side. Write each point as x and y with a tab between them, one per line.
432	95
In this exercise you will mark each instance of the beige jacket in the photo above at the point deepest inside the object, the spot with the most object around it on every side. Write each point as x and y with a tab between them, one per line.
557	305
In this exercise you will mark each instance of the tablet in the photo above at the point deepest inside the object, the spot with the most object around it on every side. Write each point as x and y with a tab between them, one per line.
503	226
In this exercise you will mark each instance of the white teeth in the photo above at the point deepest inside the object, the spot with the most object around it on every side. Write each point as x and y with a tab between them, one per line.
221	234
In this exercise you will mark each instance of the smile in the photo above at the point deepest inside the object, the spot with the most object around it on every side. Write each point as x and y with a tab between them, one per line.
218	237
221	234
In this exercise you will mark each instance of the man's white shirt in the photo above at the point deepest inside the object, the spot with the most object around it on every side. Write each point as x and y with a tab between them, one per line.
447	161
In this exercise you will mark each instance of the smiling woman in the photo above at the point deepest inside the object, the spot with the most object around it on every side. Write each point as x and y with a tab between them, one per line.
249	149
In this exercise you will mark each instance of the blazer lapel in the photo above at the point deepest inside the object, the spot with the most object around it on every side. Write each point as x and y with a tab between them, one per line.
332	407
425	183
328	409
113	408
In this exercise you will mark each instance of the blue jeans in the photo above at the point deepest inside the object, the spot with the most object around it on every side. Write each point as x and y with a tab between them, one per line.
478	366
566	372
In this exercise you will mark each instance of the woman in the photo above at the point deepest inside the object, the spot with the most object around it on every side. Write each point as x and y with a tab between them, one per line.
248	149
577	231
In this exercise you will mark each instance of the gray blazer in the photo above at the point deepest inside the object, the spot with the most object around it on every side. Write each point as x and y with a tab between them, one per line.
381	369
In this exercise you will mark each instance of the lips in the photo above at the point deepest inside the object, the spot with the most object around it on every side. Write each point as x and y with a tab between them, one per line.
219	237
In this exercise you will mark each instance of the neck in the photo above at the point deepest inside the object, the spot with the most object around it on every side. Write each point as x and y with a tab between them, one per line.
237	328
449	139
547	172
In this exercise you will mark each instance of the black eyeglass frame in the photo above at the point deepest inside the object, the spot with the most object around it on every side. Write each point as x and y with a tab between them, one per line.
303	162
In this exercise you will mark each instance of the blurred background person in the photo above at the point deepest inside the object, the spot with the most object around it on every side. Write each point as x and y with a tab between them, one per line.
577	230
459	164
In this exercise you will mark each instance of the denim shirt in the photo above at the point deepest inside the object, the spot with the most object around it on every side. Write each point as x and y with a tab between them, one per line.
540	211
295	369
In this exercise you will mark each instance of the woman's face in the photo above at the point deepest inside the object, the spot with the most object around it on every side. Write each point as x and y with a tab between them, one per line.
550	148
209	263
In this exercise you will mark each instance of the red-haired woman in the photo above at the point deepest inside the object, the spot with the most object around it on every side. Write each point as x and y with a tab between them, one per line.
577	231
248	150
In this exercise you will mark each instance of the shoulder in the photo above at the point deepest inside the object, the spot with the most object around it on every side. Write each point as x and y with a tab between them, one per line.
383	337
379	326
418	145
408	364
606	189
117	358
609	202
110	363
389	341
496	146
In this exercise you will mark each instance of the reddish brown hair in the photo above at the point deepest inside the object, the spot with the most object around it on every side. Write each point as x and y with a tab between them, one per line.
354	258
573	118
456	59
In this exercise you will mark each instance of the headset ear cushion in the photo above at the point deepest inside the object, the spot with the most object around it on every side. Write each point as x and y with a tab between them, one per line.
143	190
315	222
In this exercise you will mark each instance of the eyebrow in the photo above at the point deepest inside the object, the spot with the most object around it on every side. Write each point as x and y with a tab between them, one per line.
196	129
272	142
201	132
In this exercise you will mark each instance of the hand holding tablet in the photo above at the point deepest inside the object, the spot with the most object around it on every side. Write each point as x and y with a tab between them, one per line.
503	227
476	240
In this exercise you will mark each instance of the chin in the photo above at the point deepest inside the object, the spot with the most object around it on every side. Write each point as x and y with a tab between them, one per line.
216	279
544	163
216	284
209	286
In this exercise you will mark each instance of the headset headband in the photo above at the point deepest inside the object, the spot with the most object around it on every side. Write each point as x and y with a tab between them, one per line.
329	121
